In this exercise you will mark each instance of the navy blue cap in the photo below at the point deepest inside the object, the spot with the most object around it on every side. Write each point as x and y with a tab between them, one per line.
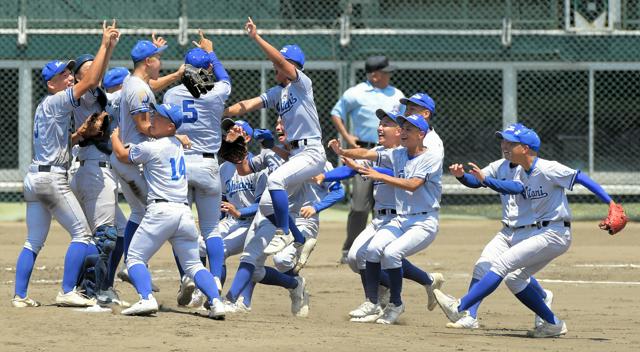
293	53
382	114
227	123
415	120
197	57
520	133
422	99
54	67
143	49
114	77
81	60
171	112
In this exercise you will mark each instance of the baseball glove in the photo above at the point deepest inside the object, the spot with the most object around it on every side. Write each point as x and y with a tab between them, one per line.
198	81
616	220
233	152
95	126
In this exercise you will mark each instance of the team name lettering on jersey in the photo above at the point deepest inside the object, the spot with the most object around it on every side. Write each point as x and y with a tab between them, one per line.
235	187
285	105
535	194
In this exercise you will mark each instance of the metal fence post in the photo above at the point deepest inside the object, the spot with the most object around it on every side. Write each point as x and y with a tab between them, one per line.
25	117
509	95
591	119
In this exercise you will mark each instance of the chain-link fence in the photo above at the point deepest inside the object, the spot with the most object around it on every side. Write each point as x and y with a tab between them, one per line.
568	68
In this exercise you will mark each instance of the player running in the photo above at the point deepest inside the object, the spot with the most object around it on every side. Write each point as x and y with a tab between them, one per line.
543	183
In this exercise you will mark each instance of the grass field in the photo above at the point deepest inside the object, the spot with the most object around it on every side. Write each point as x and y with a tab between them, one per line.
595	284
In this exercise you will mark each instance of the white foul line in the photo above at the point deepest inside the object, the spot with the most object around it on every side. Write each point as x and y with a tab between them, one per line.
633	283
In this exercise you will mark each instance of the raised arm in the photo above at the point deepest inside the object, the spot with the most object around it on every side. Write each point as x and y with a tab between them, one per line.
120	151
110	37
273	54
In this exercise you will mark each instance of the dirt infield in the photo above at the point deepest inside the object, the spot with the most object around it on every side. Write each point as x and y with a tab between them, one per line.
596	286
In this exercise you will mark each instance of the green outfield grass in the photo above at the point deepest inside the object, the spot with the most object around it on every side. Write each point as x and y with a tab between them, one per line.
581	211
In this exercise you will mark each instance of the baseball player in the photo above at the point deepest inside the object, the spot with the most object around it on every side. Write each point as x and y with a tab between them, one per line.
168	216
516	213
46	187
384	210
417	193
314	198
422	104
134	123
94	184
202	126
293	99
543	183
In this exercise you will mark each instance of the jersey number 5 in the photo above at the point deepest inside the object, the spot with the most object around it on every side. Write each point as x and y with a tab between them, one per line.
189	109
181	170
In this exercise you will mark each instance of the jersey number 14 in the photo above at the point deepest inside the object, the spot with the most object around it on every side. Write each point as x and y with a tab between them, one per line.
179	169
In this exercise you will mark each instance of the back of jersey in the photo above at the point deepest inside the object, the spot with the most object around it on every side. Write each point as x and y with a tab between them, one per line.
201	115
136	98
164	168
51	129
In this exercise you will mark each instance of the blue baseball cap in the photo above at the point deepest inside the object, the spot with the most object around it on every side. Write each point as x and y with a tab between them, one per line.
520	133
143	49
54	67
422	99
197	57
171	112
293	53
81	60
114	77
382	114
246	127
415	120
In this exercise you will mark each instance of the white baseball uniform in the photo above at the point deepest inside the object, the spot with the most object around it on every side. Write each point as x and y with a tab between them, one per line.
544	186
202	125
46	187
136	97
242	192
294	103
416	225
94	182
384	209
168	216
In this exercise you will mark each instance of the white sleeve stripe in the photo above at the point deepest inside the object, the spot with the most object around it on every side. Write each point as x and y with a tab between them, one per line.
139	110
264	100
573	180
73	101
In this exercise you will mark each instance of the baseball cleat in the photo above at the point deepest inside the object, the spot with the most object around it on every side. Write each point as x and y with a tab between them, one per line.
279	242
305	252
110	296
18	302
366	308
438	281
390	314
216	309
74	298
449	306
185	292
299	298
367	312
466	322
197	299
548	301
142	307
548	330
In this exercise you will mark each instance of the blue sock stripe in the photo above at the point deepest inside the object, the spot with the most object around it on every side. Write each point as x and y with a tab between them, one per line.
395	278
413	273
473	310
480	290
204	281
24	268
73	264
242	278
280	201
129	231
372	275
141	279
215	251
114	260
532	300
276	278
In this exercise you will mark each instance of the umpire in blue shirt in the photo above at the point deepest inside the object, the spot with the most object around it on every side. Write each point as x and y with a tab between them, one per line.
358	105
